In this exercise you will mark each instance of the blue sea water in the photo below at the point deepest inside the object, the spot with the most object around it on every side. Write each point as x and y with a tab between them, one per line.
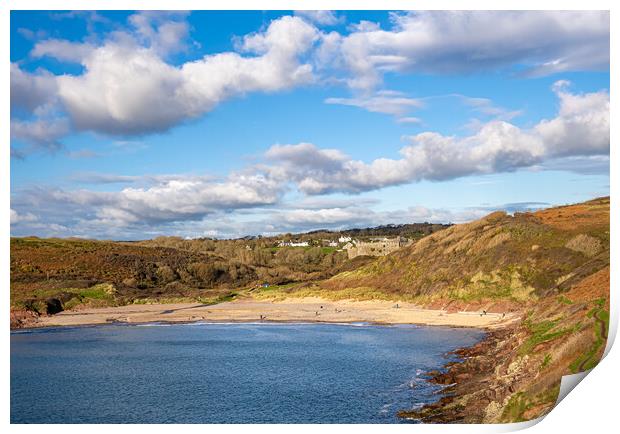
226	373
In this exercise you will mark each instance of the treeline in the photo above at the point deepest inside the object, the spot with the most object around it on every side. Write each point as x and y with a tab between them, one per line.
412	231
270	263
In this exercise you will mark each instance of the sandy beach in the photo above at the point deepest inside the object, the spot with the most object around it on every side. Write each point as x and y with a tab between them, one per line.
289	310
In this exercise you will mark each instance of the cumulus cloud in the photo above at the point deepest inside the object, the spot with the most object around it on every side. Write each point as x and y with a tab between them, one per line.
580	128
170	199
128	89
127	86
450	42
165	32
578	133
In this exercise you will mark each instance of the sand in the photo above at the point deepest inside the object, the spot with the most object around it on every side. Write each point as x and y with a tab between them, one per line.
289	310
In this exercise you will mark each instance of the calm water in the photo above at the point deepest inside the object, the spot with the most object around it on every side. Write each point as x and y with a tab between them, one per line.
220	373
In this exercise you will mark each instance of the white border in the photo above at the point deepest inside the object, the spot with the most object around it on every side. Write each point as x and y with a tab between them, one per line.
592	408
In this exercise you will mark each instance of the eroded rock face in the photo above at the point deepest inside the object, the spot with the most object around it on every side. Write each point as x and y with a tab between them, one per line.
21	318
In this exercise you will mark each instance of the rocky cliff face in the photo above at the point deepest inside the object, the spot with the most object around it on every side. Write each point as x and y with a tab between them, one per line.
514	374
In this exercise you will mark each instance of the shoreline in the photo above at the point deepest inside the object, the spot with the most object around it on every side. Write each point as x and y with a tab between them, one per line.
304	310
248	322
462	380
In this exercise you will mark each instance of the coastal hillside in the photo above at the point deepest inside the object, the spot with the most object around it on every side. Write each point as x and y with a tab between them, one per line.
514	374
501	260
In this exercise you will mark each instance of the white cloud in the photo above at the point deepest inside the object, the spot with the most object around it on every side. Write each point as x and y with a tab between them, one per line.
486	107
580	128
42	134
31	90
22	217
578	135
387	102
62	50
165	32
168	199
128	89
323	18
450	42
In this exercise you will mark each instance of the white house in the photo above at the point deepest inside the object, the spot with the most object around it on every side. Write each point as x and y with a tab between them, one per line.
344	239
299	244
293	244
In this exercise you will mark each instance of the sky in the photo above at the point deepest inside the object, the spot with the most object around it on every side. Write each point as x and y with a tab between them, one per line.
132	125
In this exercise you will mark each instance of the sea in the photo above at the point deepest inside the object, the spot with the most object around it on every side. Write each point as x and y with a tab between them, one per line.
227	372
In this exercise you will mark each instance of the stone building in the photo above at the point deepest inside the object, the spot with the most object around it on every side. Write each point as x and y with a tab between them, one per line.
376	247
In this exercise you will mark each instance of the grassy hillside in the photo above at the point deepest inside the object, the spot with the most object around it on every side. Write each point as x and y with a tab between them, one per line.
553	266
499	258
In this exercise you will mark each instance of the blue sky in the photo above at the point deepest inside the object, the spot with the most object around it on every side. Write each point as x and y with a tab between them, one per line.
128	125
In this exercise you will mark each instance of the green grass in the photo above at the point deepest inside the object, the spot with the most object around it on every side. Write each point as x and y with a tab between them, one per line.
541	332
564	300
546	361
217	299
520	402
589	359
206	300
517	405
359	294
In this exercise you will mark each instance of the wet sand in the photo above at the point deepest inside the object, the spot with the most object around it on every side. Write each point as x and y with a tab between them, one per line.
289	310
